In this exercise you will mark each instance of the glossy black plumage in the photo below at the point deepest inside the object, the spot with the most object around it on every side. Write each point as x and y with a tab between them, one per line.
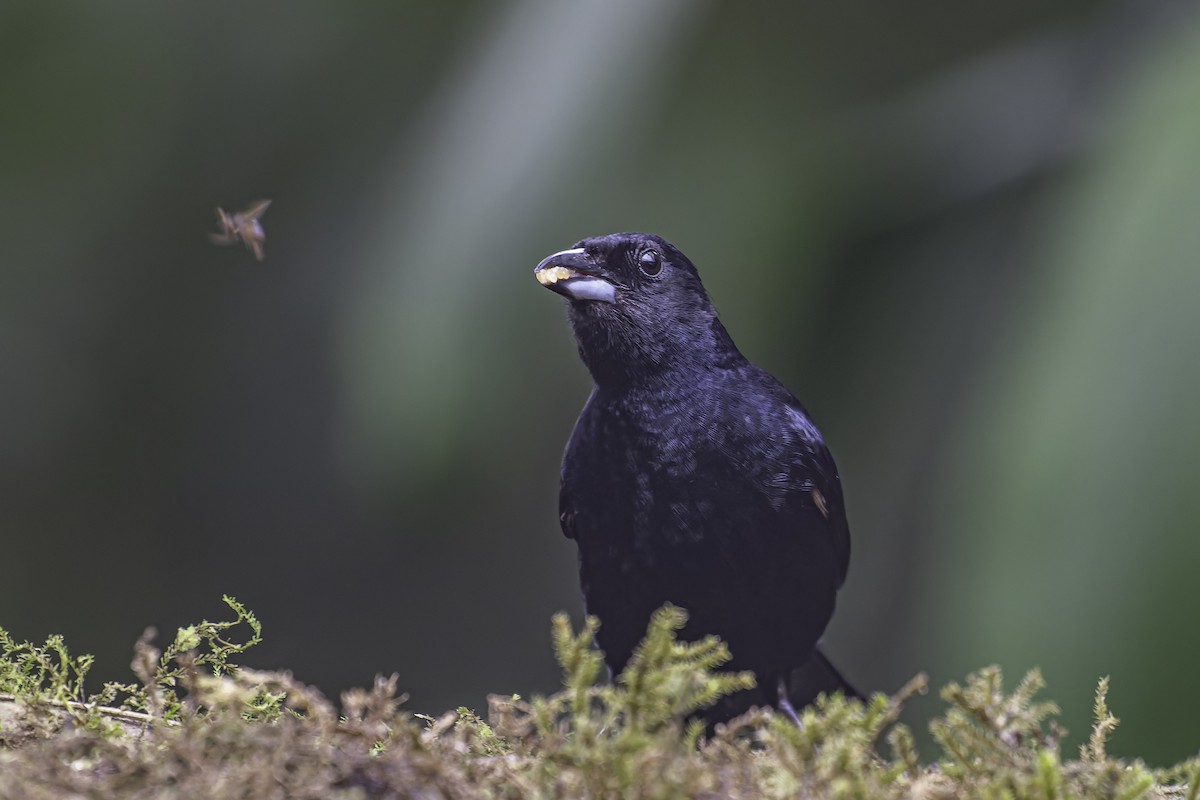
693	476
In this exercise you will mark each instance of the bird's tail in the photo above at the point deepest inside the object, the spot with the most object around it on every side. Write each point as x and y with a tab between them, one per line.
815	676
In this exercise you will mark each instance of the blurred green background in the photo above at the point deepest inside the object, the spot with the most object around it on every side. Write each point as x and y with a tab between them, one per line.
964	234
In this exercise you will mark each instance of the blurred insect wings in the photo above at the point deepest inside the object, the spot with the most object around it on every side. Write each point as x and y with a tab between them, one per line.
243	226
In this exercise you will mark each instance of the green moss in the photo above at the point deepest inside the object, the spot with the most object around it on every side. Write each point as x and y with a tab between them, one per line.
197	725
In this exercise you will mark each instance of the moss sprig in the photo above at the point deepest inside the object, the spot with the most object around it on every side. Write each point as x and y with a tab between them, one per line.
196	724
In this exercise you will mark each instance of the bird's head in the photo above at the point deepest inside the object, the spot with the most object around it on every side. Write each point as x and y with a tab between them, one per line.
637	307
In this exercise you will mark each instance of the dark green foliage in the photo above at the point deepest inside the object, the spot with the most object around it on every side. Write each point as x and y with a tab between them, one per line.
47	684
198	726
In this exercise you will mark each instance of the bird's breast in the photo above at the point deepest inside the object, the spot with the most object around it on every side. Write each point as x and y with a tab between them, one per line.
650	486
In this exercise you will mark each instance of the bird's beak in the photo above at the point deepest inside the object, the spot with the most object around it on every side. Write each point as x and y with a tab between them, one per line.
569	273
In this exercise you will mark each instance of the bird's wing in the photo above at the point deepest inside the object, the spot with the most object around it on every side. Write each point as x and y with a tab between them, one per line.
580	444
819	482
566	512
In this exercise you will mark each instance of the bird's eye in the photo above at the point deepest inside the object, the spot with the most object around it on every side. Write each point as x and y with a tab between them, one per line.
650	263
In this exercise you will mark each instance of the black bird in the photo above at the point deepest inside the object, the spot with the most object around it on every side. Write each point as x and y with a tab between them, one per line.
693	476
